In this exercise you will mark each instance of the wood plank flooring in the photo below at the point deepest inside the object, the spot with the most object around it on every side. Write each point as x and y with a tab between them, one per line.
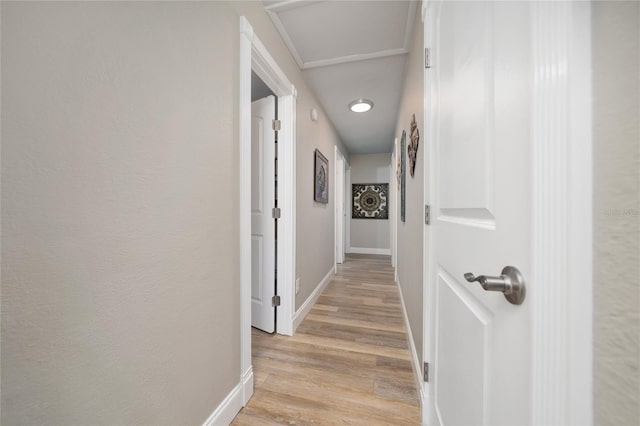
348	362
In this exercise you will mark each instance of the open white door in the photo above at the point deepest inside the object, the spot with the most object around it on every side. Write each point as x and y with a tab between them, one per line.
481	77
262	223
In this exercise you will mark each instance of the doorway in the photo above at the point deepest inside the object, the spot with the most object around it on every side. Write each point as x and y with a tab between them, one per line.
255	57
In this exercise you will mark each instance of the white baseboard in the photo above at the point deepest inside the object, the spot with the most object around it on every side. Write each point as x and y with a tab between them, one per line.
415	364
364	250
247	386
224	414
311	300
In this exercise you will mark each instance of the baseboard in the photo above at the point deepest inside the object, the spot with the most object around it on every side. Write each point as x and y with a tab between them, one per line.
224	414
364	250
247	386
311	300
415	363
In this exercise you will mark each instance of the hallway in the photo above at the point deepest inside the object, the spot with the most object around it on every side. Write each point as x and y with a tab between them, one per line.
347	363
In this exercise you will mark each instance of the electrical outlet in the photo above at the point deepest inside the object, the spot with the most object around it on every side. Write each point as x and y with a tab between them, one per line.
297	285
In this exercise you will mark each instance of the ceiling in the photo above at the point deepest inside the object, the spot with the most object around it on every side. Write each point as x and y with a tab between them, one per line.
349	50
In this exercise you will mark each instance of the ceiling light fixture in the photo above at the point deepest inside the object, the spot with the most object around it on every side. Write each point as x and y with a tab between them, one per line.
361	105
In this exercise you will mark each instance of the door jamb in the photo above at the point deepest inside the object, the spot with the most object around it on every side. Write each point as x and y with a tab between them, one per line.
429	185
347	225
561	274
254	56
392	209
339	159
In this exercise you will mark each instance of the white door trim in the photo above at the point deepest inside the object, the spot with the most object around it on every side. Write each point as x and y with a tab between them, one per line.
395	204
560	288
340	178
428	290
561	279
347	230
254	56
392	210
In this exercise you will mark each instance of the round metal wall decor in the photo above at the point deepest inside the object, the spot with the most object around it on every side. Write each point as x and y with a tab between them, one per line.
370	201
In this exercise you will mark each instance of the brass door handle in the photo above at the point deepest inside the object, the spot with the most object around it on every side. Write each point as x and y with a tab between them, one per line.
510	283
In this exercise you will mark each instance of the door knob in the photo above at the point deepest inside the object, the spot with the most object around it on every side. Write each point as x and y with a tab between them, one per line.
510	283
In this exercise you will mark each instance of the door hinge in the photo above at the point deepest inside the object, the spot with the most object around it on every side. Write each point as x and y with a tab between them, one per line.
275	301
275	124
275	212
427	214
427	57
426	371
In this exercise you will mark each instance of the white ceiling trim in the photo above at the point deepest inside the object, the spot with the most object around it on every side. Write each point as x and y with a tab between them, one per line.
353	58
411	13
283	32
273	9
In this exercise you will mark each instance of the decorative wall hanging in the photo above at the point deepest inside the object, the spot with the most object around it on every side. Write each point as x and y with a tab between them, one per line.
412	149
370	201
398	166
321	178
403	177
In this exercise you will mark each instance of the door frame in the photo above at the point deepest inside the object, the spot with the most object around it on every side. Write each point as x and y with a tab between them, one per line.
428	263
339	195
254	56
347	225
561	281
392	208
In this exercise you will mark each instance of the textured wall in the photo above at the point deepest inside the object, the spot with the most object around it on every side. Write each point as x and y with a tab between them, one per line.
616	112
120	275
410	245
120	302
315	221
369	233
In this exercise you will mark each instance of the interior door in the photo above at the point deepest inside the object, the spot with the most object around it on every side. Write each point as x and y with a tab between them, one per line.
263	231
480	81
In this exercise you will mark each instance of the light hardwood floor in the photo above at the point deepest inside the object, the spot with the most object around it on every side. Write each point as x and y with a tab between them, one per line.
348	363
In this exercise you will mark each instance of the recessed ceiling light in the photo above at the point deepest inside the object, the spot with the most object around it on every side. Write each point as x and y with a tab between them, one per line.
361	105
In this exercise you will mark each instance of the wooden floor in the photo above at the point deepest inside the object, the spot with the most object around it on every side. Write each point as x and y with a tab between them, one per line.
348	363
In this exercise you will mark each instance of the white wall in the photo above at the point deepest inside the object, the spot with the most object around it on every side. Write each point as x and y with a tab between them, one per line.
120	274
410	244
369	235
616	112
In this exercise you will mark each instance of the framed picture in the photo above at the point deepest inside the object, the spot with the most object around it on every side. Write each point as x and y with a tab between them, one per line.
321	178
370	201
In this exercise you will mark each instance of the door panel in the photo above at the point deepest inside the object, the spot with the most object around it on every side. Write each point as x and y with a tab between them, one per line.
467	111
257	279
481	116
262	224
461	356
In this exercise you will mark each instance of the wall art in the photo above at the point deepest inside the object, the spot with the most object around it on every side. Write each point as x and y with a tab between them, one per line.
370	201
412	149
403	178
321	178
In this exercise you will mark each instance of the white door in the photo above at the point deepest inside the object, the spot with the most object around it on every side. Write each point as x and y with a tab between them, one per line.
480	111
263	230
339	197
